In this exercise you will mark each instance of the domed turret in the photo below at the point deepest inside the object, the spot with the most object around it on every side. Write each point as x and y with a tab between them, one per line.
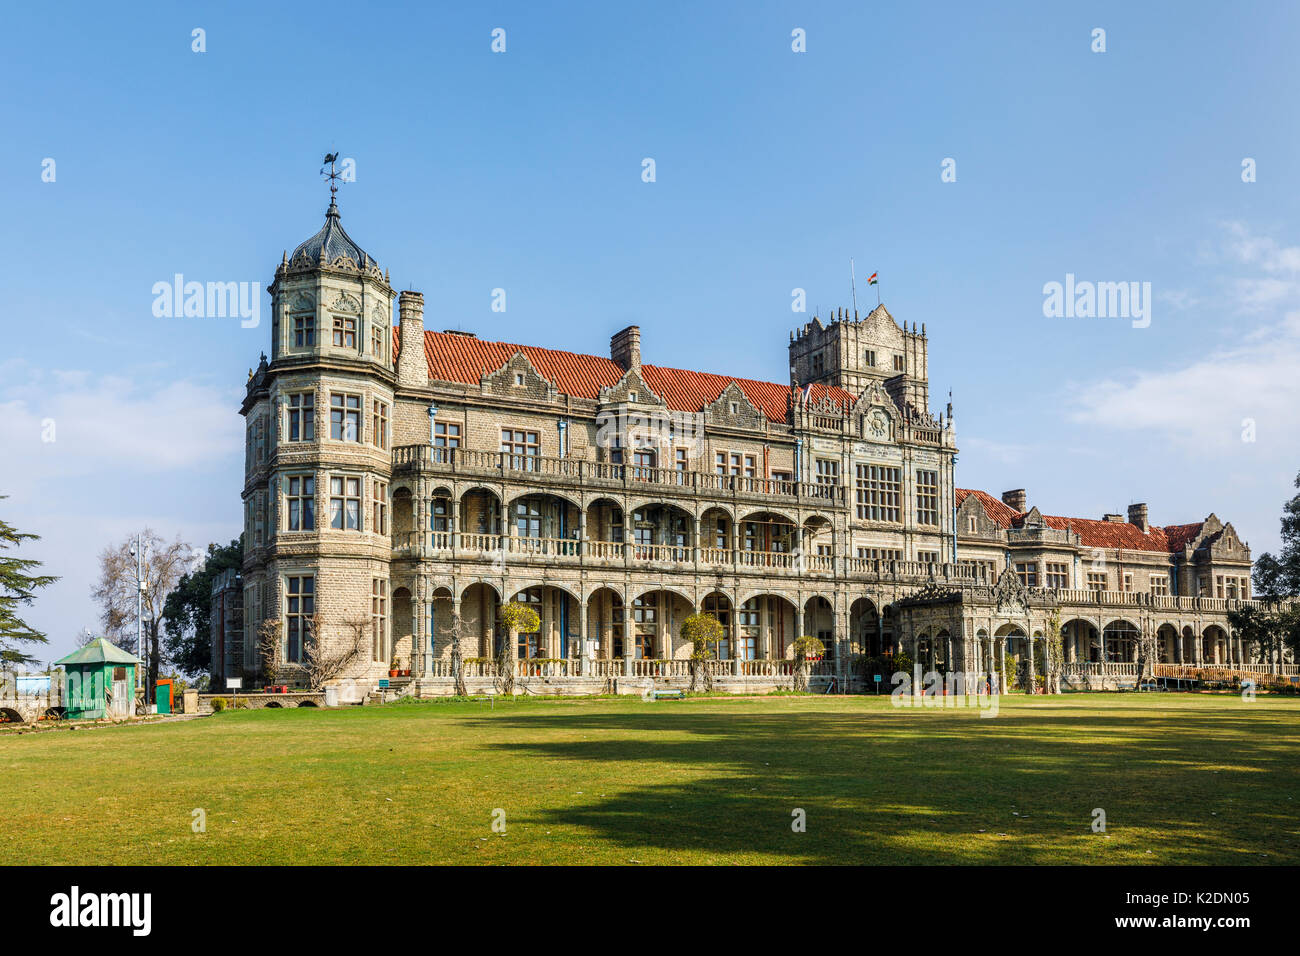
332	248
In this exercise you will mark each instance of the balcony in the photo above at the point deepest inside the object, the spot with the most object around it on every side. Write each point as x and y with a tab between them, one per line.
500	549
545	471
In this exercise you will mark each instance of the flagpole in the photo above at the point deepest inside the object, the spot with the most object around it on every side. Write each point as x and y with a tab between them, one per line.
853	285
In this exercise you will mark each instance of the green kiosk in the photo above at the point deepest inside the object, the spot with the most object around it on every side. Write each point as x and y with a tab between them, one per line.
101	681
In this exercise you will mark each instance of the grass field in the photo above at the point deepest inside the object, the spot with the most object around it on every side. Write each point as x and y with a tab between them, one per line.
1182	779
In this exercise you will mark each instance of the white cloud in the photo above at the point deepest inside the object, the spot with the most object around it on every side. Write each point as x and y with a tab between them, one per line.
148	422
1204	406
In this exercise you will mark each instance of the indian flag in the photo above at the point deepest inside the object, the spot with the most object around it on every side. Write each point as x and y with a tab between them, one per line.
872	280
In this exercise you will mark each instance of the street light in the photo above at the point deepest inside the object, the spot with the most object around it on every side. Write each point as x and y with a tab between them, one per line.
137	552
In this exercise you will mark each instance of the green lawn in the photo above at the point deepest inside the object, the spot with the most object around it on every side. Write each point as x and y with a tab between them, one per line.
1183	779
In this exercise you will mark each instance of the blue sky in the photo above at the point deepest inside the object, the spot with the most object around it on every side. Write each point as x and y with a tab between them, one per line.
522	171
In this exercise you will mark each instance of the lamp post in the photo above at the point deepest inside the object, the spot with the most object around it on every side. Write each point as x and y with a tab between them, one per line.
433	413
137	552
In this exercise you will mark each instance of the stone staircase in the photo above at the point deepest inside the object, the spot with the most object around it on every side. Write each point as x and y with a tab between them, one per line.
397	687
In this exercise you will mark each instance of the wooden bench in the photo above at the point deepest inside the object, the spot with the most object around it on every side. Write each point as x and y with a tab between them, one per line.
1126	685
1149	685
669	695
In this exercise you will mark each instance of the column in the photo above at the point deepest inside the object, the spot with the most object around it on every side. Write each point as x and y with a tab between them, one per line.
1001	661
454	623
582	635
629	636
453	521
798	621
420	643
735	636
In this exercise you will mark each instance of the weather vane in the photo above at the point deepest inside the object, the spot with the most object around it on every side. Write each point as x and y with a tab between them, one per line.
332	174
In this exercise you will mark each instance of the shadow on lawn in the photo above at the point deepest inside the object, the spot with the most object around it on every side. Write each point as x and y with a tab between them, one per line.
906	786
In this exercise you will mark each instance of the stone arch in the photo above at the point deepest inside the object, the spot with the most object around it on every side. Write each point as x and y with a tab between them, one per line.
605	620
1214	644
574	500
403	521
1121	640
1080	640
819	621
10	716
1167	643
479	603
865	632
766	624
401	630
307	703
482	511
273	704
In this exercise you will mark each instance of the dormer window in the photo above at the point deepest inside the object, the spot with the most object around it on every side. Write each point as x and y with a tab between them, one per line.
519	378
631	396
734	408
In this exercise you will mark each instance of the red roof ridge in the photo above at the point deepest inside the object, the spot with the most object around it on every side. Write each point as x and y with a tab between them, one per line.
1093	532
465	358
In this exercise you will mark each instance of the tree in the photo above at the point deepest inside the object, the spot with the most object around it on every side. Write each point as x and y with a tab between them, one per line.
1055	655
187	612
162	565
805	647
269	653
18	587
517	619
458	632
1270	628
702	632
323	666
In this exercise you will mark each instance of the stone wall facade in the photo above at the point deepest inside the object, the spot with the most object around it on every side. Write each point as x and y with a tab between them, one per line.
445	475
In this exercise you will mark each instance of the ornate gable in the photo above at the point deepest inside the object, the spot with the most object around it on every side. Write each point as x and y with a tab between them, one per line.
518	375
631	388
876	413
733	407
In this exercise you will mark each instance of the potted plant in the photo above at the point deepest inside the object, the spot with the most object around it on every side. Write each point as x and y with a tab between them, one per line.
394	670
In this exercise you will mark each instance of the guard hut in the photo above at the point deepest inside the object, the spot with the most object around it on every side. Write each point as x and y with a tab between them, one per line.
101	681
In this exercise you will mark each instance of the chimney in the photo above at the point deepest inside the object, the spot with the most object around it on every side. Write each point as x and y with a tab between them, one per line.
1016	500
1113	519
625	347
1137	514
412	368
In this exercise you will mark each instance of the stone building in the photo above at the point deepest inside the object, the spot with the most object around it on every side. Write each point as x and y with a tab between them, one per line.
402	483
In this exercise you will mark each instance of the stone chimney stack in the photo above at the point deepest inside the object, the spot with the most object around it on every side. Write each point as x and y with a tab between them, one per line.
625	347
1137	515
1016	500
412	367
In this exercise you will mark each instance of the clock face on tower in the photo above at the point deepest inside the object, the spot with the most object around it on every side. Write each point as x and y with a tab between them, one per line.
878	424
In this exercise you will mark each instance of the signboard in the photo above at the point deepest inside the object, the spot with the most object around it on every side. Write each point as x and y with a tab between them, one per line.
877	678
234	683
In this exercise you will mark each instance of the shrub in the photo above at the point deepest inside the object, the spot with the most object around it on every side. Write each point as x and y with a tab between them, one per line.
219	704
519	618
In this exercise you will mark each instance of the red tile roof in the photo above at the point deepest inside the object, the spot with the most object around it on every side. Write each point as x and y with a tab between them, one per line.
464	358
997	512
1093	533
